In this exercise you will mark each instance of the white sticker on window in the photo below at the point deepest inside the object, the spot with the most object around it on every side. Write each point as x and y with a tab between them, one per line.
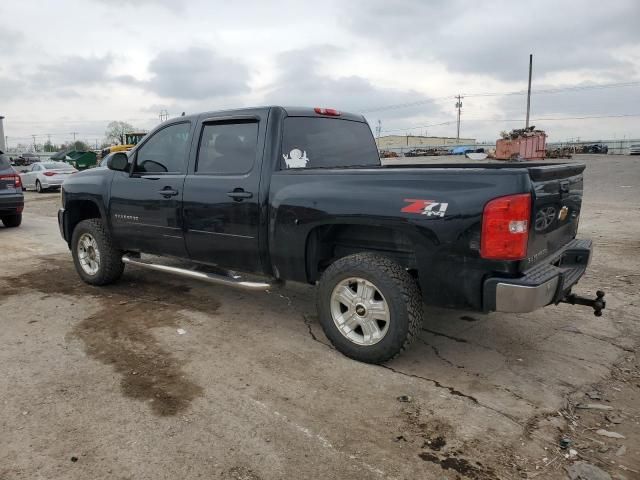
296	159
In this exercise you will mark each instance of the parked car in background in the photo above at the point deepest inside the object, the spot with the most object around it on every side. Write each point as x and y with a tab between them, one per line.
11	197
599	148
42	176
634	149
26	159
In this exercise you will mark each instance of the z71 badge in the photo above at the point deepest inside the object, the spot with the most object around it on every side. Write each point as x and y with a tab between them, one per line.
430	208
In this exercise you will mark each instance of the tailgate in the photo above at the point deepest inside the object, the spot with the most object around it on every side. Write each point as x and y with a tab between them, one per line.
557	199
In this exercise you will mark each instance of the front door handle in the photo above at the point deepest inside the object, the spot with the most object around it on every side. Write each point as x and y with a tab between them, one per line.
238	194
167	192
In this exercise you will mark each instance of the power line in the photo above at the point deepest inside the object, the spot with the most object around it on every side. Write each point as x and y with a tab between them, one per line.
501	94
554	119
502	120
418	126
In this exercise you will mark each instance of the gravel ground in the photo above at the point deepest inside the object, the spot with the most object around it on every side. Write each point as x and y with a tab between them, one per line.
159	377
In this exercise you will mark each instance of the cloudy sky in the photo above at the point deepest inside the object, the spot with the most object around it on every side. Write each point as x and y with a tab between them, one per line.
74	65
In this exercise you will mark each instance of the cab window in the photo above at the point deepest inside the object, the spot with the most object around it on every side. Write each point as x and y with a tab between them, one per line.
227	148
166	151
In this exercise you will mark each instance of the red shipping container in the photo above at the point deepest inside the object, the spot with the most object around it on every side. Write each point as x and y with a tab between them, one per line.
531	147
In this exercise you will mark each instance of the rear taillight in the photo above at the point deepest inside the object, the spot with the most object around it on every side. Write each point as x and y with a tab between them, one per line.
49	174
505	228
17	183
331	112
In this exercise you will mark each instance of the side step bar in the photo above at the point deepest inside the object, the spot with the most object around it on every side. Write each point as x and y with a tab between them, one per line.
230	281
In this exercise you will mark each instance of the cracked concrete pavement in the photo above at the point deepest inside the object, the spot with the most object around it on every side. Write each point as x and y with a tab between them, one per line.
100	383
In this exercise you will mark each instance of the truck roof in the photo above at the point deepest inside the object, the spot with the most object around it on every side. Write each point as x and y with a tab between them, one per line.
291	111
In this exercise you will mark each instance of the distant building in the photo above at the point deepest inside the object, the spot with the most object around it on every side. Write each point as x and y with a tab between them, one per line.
389	142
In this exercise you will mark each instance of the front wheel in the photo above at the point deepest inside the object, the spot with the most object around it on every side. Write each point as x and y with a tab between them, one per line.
12	220
96	260
369	307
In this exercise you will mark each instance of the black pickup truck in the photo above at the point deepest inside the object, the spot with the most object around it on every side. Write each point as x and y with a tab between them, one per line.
299	194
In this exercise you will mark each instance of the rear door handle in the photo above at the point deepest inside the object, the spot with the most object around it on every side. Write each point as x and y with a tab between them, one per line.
238	194
168	192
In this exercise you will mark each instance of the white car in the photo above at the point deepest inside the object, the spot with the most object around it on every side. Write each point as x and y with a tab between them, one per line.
634	149
45	175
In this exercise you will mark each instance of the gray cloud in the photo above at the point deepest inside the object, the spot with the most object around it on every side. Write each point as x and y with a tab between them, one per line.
197	73
10	88
495	39
300	82
9	38
73	70
174	5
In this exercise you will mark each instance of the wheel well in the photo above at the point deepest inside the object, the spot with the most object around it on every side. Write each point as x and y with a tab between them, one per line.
79	210
328	243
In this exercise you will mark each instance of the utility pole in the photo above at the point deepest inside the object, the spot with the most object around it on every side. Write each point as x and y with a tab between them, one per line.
34	143
379	129
4	140
459	107
164	115
529	90
74	136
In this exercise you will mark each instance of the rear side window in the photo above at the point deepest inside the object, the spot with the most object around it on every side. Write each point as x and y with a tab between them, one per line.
227	148
310	142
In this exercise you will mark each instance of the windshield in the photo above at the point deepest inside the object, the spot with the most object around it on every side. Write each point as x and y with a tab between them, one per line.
311	142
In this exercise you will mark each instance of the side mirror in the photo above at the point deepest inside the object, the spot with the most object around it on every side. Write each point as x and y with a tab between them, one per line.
119	161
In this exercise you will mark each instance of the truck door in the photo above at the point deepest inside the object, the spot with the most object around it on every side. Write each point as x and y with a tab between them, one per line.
145	206
221	194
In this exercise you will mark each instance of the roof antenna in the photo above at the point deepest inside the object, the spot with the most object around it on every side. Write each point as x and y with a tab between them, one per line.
182	114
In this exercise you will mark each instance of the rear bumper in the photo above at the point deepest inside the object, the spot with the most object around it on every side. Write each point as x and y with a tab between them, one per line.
52	183
543	284
11	204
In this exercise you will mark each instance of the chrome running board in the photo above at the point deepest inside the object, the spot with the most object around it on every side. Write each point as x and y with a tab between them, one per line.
230	280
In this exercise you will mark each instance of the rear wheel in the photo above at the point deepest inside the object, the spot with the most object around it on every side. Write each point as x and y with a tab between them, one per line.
369	307
96	260
39	188
12	220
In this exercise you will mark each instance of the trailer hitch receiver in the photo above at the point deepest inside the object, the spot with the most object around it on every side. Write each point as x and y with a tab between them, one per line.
598	304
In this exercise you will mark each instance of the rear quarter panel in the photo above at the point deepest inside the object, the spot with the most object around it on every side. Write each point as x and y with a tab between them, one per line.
446	246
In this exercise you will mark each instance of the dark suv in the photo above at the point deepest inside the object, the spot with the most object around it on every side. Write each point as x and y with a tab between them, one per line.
11	197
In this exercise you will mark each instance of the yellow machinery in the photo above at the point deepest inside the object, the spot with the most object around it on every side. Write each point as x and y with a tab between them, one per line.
130	140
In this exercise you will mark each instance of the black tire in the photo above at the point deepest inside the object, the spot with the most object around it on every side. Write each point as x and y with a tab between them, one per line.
11	221
397	287
110	266
39	188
